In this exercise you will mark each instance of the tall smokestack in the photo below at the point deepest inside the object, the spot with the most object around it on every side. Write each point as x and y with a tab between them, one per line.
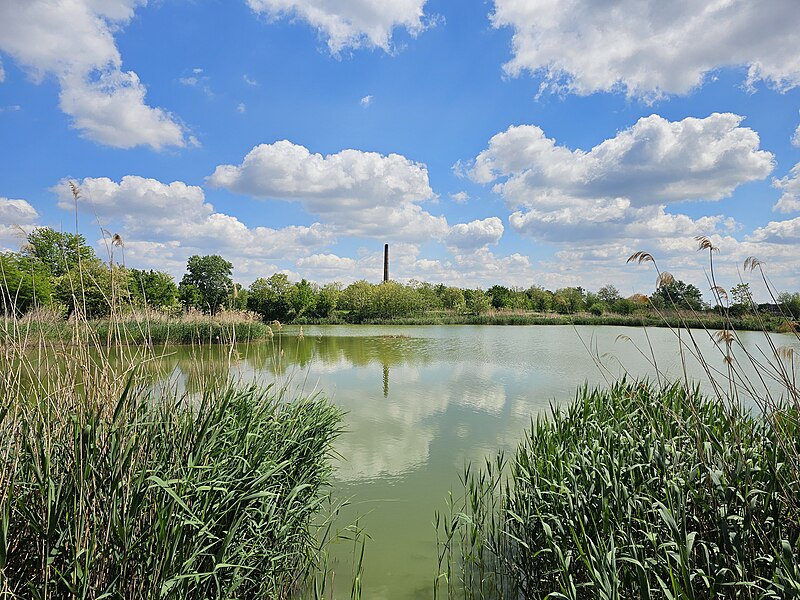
386	262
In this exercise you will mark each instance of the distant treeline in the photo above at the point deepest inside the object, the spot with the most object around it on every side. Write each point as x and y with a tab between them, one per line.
59	270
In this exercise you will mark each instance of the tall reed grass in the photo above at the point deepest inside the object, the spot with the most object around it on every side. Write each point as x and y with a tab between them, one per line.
112	487
644	490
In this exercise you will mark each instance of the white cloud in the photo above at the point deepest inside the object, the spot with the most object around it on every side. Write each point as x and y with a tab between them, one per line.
778	232
790	185
460	197
366	101
74	40
619	188
17	212
242	108
358	193
10	108
351	23
2	72
249	81
175	218
796	137
17	217
614	197
650	47
476	234
655	161
326	262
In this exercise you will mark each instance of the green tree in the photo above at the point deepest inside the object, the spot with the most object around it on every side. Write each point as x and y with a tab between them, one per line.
152	288
478	302
499	295
94	290
327	300
211	275
301	299
25	283
270	297
453	299
59	252
189	296
790	303
540	299
608	294
569	300
678	294
356	299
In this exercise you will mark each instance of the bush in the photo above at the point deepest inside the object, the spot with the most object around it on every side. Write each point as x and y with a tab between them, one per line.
632	493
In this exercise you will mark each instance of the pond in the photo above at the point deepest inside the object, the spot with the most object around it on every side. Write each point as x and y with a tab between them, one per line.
422	401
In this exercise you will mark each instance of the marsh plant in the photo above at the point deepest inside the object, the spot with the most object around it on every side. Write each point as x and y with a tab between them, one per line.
644	489
111	487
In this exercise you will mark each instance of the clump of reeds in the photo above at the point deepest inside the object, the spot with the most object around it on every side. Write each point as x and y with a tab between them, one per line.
646	492
113	487
632	492
155	497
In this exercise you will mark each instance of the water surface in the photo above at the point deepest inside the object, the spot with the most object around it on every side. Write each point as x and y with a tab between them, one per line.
421	401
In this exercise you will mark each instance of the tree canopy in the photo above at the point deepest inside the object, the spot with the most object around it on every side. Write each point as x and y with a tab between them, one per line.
211	275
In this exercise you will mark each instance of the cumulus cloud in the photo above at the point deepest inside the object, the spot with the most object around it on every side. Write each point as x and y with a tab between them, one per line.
796	137
326	262
460	197
15	217
358	193
611	200
650	48
790	185
624	183
654	161
242	108
475	234
175	218
2	72
366	101
778	232
17	212
352	24
74	41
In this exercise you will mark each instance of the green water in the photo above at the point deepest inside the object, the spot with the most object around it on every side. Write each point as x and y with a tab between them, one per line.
422	401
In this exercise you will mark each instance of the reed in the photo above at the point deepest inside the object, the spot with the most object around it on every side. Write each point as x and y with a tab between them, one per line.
645	490
115	484
632	492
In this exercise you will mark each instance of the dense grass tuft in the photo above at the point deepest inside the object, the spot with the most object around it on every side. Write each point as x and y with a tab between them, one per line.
633	492
158	498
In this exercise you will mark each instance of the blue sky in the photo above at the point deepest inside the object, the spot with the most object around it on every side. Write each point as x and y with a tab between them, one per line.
509	141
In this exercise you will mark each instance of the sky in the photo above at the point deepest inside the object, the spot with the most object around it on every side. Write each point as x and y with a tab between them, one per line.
514	142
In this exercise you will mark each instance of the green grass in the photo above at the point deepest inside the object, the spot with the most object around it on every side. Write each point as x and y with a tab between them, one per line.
632	492
154	497
135	329
645	318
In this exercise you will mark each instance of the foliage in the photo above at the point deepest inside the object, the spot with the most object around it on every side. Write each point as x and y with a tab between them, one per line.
301	299
608	294
356	299
152	288
270	297
155	498
477	301
59	252
634	492
675	293
790	303
211	275
25	284
92	289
